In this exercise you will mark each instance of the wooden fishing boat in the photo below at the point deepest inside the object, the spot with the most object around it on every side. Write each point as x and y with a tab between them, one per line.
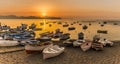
86	45
44	38
77	43
52	51
55	39
97	46
69	42
8	43
31	48
106	42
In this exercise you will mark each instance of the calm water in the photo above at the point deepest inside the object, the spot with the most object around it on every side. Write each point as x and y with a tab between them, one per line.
113	30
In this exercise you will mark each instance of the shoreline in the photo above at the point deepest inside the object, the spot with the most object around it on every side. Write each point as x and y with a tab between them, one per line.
71	55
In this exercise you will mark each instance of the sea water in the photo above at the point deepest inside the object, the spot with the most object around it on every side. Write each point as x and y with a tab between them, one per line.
113	30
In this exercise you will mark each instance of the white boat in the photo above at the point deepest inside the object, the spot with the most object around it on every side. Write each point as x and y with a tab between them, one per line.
8	43
106	42
52	51
55	39
35	48
78	43
86	45
45	38
1	38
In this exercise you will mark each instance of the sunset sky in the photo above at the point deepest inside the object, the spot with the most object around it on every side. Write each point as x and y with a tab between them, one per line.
83	8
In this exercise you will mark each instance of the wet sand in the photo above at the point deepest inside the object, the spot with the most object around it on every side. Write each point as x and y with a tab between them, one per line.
110	55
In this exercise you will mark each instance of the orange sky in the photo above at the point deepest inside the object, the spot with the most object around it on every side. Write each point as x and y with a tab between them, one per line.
92	8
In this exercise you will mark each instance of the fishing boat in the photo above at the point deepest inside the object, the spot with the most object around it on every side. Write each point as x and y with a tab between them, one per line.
106	42
52	51
77	43
36	47
65	36
55	39
86	45
69	42
8	43
49	34
44	38
97	46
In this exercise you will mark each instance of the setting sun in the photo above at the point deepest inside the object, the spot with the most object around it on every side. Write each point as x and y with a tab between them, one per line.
44	14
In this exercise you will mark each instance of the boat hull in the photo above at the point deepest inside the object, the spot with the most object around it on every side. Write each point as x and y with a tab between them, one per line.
32	49
8	43
86	46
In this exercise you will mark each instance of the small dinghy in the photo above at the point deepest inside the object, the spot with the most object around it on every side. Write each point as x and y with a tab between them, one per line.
8	43
77	43
106	42
55	39
36	47
52	51
86	45
97	46
44	38
69	42
65	36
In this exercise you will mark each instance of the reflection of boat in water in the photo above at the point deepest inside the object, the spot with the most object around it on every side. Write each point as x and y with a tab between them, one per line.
52	51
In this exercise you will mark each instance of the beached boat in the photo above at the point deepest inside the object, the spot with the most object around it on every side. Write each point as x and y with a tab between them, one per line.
69	42
36	47
55	39
49	34
86	45
65	36
44	38
106	42
77	43
52	51
97	46
8	43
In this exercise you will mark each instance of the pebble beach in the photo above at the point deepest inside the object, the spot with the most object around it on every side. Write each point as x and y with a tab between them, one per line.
71	55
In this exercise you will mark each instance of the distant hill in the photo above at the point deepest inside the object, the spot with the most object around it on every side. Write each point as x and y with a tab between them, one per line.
27	17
